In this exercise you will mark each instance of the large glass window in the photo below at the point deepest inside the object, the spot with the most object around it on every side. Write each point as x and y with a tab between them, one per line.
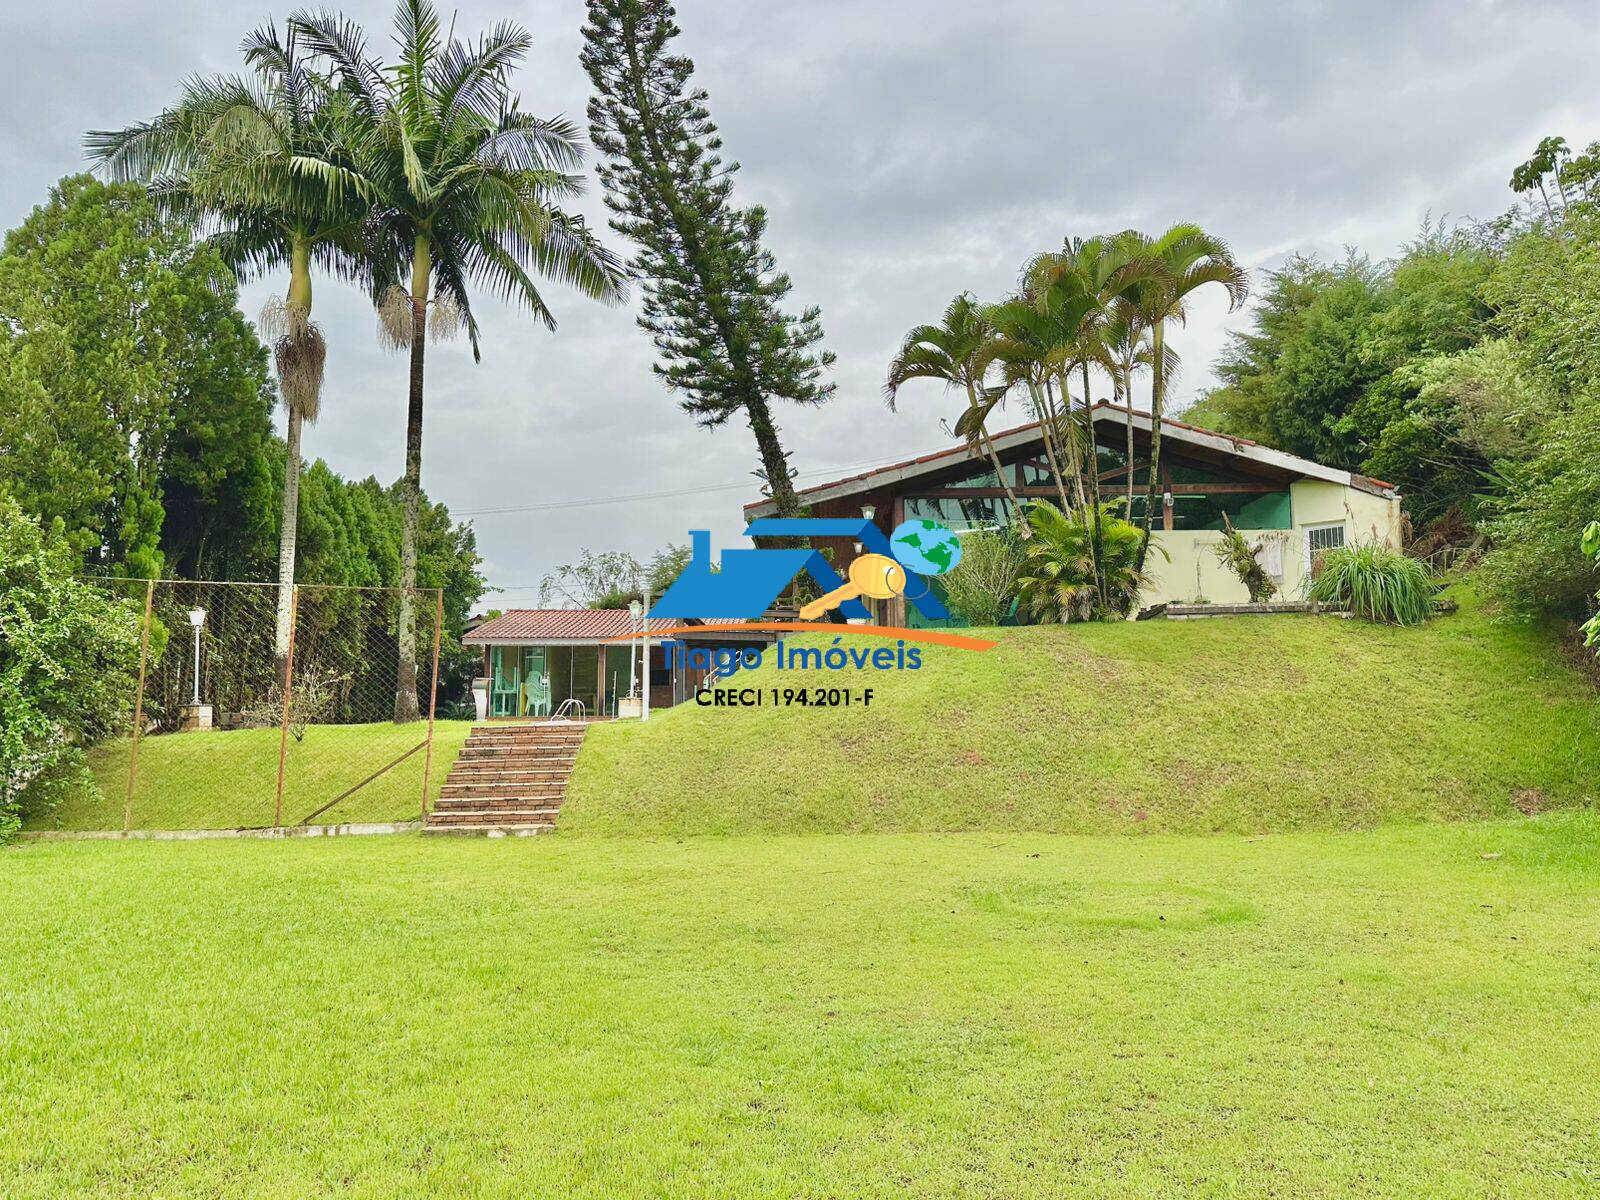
969	512
1246	510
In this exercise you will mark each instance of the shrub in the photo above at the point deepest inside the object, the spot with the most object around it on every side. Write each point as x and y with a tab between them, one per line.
1057	581
1377	583
983	587
68	653
1235	553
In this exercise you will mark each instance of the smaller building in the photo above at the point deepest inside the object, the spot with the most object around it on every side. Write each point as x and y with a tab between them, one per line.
1294	508
536	658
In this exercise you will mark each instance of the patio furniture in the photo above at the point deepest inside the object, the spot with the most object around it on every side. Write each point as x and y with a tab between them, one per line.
536	697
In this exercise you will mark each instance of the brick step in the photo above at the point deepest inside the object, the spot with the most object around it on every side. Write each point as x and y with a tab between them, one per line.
518	795
490	817
469	774
511	767
528	735
458	805
517	758
560	753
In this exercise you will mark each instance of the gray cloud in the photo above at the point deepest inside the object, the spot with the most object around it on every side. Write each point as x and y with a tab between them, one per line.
906	151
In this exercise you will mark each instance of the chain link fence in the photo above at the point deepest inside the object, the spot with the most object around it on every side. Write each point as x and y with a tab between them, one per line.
265	706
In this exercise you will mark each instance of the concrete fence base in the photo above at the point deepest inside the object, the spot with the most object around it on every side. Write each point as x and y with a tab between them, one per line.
197	835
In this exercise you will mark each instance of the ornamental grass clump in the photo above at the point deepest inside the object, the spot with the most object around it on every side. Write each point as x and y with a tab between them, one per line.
1377	583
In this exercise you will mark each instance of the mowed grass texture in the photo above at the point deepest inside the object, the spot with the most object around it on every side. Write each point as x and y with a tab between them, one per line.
1241	724
228	779
1407	1012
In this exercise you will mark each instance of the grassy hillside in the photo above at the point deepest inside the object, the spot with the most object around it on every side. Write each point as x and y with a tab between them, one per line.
218	779
1226	724
1407	1012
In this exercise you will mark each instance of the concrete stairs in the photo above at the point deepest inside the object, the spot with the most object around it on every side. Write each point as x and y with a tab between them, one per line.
509	780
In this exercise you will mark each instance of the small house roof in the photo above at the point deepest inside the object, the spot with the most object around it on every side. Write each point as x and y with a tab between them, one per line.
563	626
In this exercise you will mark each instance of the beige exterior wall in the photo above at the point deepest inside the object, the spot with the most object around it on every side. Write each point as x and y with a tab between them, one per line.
1191	569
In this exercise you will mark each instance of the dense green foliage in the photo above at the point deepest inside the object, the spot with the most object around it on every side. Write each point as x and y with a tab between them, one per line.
134	397
982	589
1406	1012
713	294
1333	367
1465	371
1376	583
1077	568
1265	723
68	651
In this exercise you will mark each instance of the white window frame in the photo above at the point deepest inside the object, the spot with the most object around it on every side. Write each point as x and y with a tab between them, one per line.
1344	541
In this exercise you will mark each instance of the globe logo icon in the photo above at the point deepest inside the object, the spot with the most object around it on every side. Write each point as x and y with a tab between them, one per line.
926	547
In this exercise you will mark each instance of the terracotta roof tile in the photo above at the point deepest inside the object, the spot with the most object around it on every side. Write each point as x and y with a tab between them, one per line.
563	624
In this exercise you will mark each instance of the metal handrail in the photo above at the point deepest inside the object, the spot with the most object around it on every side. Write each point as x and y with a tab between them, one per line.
566	708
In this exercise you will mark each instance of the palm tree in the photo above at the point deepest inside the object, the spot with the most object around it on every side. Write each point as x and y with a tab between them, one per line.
230	157
1079	286
465	190
1071	558
1185	259
1130	354
951	352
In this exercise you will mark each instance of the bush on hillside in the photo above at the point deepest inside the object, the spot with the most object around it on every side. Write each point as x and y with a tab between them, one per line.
983	587
1377	583
68	653
1057	582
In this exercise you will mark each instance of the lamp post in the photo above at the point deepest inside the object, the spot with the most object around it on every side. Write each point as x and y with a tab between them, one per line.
197	618
196	715
634	609
644	696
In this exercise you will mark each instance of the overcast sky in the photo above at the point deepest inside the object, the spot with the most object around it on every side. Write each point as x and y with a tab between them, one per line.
906	150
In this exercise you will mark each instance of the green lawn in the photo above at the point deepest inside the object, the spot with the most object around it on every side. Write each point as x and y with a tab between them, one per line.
1246	724
1411	1011
228	779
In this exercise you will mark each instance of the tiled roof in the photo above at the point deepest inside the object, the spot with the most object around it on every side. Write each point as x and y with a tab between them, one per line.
962	451
563	625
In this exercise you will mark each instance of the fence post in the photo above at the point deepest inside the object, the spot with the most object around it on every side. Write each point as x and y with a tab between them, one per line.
288	694
138	707
433	699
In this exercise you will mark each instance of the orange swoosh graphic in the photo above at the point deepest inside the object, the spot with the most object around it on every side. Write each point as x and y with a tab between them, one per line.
936	636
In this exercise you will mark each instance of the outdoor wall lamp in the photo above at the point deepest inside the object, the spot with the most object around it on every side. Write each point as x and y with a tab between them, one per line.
867	510
197	618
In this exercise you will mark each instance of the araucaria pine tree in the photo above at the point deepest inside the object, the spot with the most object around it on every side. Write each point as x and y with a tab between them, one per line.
713	295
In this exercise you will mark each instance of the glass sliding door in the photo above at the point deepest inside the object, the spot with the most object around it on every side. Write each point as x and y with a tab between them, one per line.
505	681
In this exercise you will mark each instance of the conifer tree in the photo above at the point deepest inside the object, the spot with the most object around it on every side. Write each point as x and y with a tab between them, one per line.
713	294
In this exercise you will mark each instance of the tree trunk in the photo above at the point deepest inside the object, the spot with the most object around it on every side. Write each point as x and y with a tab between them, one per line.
288	539
1093	452
405	692
1158	388
987	443
772	460
1046	410
298	306
1127	399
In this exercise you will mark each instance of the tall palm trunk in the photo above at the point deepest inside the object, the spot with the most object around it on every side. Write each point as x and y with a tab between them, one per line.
1158	390
297	306
1045	407
1125	397
1093	451
405	694
987	443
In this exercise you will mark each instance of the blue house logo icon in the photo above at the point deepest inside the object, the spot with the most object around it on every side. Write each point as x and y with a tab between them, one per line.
750	580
